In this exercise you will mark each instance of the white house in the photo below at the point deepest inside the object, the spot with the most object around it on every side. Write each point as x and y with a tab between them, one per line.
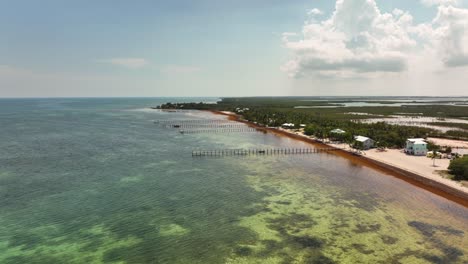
241	110
337	134
288	125
337	131
364	142
416	146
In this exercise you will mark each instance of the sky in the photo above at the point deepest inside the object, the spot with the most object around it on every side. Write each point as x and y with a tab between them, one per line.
151	48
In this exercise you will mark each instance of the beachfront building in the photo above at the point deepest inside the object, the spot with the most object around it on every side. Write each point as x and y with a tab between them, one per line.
288	125
337	134
241	110
362	142
338	131
416	146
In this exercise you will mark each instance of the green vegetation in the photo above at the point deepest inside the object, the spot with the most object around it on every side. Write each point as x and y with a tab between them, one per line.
432	147
457	134
275	111
449	124
383	134
459	168
288	104
200	106
462	134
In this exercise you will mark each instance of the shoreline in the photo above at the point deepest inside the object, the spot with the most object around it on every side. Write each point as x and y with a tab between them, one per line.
456	195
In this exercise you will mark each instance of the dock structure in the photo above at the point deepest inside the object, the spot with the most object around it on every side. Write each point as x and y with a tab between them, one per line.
213	125
173	110
198	126
249	152
192	121
219	130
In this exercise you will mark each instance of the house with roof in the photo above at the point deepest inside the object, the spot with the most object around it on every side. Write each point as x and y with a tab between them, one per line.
362	142
337	134
337	131
288	125
416	146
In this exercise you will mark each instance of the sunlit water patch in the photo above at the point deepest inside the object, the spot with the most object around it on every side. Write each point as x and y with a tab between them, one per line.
87	181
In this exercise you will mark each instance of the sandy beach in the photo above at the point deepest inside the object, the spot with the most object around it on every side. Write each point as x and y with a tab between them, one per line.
420	165
416	170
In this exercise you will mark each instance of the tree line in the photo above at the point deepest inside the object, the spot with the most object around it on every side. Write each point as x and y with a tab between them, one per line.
320	122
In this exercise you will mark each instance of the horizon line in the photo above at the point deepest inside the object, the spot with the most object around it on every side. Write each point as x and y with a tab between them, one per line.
220	97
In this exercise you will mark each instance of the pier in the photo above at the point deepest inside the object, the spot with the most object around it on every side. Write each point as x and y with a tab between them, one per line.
192	121
214	125
198	126
219	130
263	152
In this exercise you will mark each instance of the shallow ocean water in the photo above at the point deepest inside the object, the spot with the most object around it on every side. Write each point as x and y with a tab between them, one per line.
96	181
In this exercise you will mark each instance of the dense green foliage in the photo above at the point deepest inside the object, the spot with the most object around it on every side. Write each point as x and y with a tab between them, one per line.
289	104
275	111
388	108
200	106
432	147
457	134
449	124
453	133
459	168
383	134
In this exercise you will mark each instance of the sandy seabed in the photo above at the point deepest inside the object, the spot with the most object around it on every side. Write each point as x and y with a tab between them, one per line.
418	170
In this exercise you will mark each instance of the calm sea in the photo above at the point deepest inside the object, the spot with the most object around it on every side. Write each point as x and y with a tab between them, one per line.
96	181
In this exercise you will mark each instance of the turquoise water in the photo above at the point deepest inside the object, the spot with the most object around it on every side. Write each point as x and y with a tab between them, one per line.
95	181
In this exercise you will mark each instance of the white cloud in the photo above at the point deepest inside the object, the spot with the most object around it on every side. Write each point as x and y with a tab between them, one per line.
130	63
315	12
356	38
439	2
360	41
398	12
450	35
180	69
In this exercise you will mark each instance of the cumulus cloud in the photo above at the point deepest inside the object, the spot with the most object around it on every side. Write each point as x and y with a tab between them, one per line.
315	12
130	63
359	40
450	35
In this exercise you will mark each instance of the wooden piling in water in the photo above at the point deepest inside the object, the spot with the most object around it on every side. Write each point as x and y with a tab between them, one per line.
265	152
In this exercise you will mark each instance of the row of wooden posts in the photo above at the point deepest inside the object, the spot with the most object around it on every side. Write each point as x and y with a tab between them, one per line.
219	130
198	126
192	121
213	125
226	126
247	152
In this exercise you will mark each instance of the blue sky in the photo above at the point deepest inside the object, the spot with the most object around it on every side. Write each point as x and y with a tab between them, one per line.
201	48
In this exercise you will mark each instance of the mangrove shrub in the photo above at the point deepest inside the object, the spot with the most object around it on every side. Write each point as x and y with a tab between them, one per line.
459	168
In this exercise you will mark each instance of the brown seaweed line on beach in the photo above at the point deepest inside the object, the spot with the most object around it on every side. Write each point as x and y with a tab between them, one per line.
447	192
